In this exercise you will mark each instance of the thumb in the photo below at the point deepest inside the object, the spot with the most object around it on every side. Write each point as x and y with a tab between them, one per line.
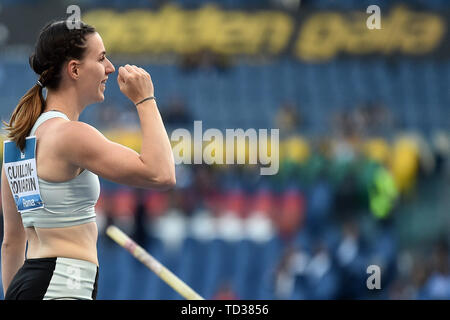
123	73
120	80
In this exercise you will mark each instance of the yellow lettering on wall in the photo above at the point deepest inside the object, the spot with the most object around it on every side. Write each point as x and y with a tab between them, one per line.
278	30
356	38
101	20
204	25
321	37
421	32
325	35
173	29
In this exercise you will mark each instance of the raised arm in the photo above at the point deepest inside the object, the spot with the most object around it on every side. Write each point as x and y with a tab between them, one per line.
154	167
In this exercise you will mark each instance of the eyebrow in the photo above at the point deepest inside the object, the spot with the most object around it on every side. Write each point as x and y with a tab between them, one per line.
102	53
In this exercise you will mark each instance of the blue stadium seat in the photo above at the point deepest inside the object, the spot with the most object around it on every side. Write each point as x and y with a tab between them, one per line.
415	91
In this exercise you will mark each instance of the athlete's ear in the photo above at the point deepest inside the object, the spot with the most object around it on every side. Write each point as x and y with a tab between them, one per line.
73	69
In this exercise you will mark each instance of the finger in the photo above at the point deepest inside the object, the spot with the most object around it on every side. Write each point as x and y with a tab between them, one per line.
128	68
123	74
135	68
120	81
123	71
138	69
144	72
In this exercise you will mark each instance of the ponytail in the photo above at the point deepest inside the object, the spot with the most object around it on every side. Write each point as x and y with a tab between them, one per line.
27	111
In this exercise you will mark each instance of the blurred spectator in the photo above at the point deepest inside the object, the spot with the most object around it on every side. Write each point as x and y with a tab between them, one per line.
205	60
295	149
372	119
319	205
292	264
291	5
225	292
176	115
402	290
321	276
107	116
377	149
206	189
437	285
288	120
419	275
341	125
363	120
140	218
351	262
405	163
171	228
441	146
291	215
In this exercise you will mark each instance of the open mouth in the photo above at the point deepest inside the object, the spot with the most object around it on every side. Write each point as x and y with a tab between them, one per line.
103	84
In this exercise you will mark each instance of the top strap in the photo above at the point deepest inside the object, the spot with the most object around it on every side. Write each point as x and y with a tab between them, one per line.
46	116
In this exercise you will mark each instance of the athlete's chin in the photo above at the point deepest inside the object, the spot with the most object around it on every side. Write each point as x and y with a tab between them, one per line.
101	94
100	98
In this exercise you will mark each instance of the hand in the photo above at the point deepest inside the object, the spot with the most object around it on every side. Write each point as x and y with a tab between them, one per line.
135	83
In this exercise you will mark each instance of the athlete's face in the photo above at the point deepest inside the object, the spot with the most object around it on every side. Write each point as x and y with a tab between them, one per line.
94	70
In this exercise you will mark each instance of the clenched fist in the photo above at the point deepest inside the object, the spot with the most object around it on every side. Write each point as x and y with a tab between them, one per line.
135	83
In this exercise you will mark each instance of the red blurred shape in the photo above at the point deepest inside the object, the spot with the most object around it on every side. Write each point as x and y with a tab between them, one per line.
236	201
156	203
290	217
263	202
123	203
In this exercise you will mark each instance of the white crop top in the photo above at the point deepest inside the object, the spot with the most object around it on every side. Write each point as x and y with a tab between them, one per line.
66	203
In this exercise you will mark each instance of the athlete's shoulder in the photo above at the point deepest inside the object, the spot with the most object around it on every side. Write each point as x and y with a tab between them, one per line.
73	129
77	135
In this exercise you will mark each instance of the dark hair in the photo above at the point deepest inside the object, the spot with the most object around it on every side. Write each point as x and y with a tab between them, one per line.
56	45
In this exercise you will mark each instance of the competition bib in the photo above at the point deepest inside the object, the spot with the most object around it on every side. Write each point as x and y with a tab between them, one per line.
20	169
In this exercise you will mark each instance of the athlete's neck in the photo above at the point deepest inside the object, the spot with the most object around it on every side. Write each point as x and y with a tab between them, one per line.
64	101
